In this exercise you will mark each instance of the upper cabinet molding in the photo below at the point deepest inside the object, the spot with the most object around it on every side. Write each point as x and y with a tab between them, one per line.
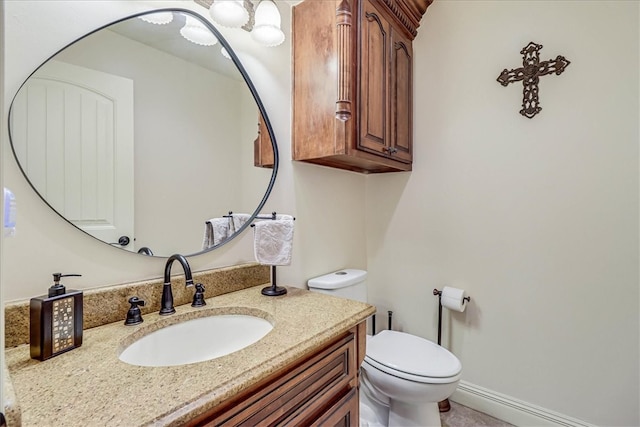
408	13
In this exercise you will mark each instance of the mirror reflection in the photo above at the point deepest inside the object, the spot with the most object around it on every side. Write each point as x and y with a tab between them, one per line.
145	131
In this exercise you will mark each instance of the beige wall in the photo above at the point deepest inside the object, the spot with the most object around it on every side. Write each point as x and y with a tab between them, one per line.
3	135
536	218
328	204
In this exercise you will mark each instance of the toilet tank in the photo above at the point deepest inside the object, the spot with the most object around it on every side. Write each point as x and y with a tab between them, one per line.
348	283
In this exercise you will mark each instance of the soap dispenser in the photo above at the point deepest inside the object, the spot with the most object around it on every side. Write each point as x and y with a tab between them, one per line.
55	320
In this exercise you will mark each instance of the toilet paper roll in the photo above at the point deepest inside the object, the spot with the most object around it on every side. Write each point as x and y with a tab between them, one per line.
453	299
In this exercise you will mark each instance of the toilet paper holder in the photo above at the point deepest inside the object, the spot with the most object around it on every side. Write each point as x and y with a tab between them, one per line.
439	293
444	405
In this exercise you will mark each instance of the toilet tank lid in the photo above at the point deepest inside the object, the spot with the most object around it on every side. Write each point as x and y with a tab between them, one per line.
338	279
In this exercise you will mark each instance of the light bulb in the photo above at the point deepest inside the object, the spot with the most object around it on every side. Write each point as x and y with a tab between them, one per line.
266	29
229	13
158	18
197	33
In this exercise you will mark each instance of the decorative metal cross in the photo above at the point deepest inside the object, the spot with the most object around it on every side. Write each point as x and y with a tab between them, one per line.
530	73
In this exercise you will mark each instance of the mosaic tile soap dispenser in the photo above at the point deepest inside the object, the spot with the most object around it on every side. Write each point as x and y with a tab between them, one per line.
55	320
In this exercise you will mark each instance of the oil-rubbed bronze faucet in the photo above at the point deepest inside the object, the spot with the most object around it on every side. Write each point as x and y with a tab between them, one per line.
166	304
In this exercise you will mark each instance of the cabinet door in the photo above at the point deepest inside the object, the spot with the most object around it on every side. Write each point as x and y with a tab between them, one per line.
262	147
401	82
374	80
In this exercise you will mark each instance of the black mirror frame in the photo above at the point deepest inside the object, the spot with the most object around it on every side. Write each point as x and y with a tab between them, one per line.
245	76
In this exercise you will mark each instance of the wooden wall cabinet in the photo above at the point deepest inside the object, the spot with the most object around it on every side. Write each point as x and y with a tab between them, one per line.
353	83
262	146
318	390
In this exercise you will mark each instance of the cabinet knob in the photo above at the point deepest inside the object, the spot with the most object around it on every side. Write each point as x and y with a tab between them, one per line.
390	150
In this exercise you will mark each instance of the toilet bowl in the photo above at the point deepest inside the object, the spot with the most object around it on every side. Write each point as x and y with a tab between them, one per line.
403	376
414	374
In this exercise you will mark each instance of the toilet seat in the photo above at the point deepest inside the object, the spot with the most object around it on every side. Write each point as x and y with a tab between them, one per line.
412	358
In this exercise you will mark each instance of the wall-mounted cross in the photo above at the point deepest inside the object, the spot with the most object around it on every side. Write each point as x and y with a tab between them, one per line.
530	73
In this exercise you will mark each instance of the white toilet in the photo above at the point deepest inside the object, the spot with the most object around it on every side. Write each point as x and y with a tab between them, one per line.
403	377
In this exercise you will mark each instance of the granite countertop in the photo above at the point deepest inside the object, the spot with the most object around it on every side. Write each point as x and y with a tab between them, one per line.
91	386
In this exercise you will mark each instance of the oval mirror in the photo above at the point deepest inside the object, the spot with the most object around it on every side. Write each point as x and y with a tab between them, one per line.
142	131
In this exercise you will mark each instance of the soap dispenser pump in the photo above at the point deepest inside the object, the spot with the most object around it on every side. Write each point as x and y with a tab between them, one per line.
55	320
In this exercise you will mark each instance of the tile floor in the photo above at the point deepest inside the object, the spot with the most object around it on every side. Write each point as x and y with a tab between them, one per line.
461	416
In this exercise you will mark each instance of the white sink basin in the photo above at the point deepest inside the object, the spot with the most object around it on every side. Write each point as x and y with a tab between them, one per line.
196	340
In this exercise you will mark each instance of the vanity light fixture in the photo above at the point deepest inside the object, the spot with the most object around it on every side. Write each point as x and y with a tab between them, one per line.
197	33
263	21
158	18
266	30
229	13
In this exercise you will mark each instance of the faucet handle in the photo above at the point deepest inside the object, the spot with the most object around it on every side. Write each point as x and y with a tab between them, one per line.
134	315
198	297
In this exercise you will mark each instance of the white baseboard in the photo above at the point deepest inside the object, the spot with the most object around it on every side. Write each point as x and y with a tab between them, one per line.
511	410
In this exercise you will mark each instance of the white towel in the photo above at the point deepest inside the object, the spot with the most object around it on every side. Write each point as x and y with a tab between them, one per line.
239	220
284	216
269	217
216	230
273	241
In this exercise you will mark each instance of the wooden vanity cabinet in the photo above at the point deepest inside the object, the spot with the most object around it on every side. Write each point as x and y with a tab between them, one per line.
319	389
353	83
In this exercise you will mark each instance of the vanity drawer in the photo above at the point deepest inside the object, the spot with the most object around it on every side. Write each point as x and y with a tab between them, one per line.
313	390
344	412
